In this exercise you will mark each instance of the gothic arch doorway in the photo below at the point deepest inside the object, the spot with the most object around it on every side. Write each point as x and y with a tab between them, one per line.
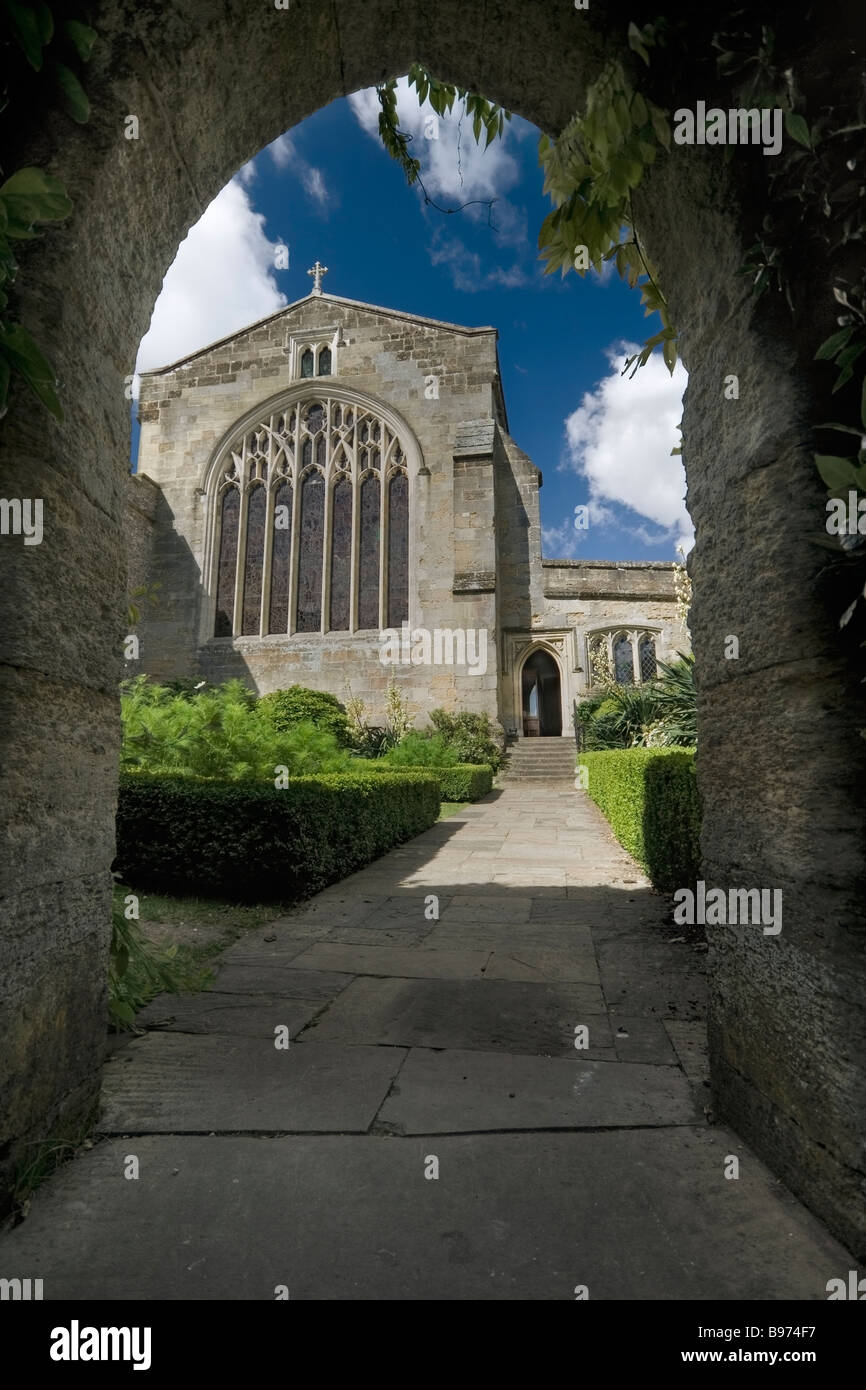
541	696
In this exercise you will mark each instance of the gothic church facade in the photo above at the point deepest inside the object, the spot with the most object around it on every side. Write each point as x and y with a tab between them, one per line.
332	498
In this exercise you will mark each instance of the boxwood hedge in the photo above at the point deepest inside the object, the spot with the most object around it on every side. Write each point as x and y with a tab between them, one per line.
460	782
650	797
251	842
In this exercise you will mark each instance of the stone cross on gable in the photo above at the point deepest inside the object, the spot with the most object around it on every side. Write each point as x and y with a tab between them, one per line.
317	272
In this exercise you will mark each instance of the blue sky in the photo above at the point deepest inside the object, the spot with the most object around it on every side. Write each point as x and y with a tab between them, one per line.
328	190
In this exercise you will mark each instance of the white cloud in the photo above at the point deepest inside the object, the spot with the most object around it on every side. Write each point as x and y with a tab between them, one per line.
222	278
456	171
285	155
620	440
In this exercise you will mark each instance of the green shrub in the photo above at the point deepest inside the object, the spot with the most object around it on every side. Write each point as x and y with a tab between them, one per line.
139	970
220	733
420	750
465	782
650	797
252	842
471	736
297	705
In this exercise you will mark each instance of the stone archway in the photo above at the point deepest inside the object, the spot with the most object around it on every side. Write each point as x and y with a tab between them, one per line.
781	765
540	692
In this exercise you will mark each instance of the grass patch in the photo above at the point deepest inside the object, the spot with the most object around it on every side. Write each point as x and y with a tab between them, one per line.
451	808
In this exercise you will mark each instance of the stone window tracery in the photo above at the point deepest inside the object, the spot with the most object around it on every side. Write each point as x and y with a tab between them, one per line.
627	656
311	524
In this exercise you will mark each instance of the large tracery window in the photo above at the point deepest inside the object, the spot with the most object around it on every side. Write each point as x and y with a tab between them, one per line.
312	524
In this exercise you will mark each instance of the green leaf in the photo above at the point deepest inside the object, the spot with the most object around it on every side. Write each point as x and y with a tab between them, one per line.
82	37
846	429
636	43
833	344
798	129
28	361
32	195
27	31
669	353
74	96
836	472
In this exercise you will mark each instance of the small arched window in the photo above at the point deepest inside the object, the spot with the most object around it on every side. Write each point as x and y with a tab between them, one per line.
307	362
325	362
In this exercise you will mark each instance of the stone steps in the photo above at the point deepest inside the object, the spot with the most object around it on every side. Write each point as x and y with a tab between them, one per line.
541	760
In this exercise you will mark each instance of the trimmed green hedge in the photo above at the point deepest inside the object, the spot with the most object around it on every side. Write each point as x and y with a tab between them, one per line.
650	797
251	842
460	782
464	782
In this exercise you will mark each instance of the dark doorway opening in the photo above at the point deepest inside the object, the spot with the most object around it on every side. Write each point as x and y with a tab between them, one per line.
542	702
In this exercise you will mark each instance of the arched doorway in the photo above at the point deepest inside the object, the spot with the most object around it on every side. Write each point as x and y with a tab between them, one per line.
541	696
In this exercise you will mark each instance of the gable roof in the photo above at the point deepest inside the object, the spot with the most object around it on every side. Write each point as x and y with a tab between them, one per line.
333	299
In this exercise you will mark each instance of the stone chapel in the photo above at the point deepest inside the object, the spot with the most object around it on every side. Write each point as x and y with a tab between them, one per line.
331	497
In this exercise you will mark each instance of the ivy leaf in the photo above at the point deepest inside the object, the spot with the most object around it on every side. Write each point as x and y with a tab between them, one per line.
636	43
81	36
836	472
798	129
27	31
32	195
73	93
833	344
28	360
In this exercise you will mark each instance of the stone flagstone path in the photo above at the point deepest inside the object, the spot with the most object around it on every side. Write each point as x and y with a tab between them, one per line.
420	1042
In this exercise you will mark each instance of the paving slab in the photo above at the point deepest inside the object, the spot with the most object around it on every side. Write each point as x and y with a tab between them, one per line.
173	1083
239	1015
266	977
486	1015
632	1214
454	1091
404	961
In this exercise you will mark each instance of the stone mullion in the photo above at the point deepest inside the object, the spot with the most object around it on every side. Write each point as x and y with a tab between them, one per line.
634	638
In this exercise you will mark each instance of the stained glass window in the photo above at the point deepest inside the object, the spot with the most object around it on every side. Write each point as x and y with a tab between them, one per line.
255	549
292	458
325	362
341	555
227	564
647	655
398	550
309	612
623	661
281	572
368	568
307	363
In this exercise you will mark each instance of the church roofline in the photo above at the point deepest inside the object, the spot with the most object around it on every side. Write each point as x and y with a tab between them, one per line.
612	564
334	299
